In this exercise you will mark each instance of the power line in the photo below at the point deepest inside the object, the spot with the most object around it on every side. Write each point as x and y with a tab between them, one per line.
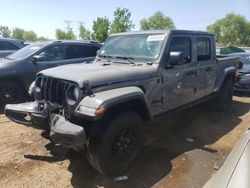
81	23
68	23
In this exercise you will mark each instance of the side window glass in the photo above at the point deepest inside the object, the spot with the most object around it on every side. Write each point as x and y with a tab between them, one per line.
182	44
91	51
7	46
203	49
80	51
53	53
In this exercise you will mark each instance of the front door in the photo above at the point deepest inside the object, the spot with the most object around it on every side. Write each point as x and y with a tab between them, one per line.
179	81
49	57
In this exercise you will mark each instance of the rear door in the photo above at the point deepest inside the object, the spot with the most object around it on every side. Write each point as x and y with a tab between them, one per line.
206	65
179	82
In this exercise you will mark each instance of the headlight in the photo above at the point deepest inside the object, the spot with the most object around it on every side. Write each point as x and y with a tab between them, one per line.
38	84
35	86
72	94
31	89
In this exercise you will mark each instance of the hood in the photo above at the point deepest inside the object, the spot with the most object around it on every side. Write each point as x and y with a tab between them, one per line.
4	60
7	66
99	73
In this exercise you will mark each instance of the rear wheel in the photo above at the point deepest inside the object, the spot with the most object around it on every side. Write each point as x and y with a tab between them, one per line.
113	149
223	98
10	93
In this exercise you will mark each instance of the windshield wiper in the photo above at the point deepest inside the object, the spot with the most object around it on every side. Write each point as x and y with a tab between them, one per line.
108	57
130	59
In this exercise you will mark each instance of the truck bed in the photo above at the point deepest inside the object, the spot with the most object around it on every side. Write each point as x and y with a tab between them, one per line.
226	57
225	60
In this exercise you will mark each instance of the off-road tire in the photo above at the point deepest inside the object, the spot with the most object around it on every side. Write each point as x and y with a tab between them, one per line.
10	93
223	99
104	139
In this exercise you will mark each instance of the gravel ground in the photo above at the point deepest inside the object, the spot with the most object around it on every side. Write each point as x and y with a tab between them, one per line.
182	150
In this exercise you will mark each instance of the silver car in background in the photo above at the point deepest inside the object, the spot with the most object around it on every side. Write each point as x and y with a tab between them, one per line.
235	171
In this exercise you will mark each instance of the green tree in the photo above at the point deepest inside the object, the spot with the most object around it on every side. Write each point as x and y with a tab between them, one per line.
84	33
5	32
30	36
231	30
121	22
18	33
71	35
157	21
41	38
65	35
101	29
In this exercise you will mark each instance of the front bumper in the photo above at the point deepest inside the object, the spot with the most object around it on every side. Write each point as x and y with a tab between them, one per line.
243	86
30	113
42	115
66	133
241	89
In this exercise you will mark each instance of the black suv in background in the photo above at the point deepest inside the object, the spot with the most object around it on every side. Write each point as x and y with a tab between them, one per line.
18	70
8	46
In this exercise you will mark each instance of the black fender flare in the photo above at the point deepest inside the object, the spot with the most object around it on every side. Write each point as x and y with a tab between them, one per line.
110	98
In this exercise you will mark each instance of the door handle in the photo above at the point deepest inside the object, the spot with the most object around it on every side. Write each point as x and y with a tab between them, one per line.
208	69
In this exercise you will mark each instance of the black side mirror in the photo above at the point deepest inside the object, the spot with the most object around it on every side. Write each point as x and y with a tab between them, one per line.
36	58
176	58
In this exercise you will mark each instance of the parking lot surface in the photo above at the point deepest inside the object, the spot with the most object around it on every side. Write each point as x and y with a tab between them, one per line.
182	150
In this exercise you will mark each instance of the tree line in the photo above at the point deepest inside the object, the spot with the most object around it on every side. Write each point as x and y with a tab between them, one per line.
18	33
121	22
101	28
233	29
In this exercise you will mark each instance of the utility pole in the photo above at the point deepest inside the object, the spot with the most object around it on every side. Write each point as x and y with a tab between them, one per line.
68	23
80	23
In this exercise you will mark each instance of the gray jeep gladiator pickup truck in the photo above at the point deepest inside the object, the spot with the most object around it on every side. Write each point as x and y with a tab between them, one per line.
102	106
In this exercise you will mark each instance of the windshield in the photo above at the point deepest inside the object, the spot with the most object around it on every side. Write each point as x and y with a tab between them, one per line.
140	46
26	51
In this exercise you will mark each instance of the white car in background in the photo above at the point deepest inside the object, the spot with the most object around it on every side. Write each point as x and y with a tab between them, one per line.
235	172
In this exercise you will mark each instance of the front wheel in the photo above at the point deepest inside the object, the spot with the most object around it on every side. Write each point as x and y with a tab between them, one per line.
113	149
10	93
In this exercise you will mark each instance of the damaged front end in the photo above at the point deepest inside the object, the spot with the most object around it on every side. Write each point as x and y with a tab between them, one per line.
44	115
30	113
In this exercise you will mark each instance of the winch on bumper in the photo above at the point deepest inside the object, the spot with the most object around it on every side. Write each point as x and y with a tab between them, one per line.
40	115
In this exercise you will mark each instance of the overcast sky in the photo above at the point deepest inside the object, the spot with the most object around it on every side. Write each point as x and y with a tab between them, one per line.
45	16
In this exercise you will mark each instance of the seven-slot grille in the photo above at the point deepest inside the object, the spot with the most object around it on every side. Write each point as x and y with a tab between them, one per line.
53	89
